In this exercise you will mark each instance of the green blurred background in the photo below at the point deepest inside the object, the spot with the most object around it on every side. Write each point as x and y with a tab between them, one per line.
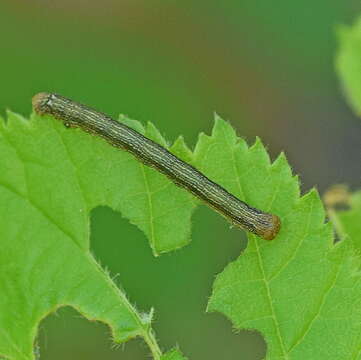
267	66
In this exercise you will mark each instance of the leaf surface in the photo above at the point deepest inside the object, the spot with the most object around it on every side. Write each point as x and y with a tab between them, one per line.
173	355
50	179
348	63
300	290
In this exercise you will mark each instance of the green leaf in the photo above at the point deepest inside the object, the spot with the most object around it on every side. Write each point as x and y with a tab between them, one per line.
348	63
300	290
173	355
50	179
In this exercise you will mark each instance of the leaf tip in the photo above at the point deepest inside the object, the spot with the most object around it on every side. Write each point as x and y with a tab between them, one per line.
223	129
258	143
181	149
153	133
133	124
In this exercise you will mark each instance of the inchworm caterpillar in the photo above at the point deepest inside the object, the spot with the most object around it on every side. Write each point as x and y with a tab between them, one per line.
73	114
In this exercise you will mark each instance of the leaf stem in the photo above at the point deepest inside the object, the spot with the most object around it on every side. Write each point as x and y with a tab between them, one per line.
145	329
149	338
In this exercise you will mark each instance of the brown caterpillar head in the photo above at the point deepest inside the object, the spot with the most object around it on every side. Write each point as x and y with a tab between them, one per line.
41	103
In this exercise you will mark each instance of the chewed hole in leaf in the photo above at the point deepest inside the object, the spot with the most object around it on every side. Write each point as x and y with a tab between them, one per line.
66	334
165	282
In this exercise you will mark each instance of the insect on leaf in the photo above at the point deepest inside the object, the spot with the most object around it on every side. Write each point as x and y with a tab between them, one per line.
300	291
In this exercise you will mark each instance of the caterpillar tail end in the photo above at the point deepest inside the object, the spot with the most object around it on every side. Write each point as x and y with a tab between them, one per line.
272	230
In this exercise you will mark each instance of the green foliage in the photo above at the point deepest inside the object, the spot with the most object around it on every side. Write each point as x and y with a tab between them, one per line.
348	63
300	290
348	222
173	355
50	179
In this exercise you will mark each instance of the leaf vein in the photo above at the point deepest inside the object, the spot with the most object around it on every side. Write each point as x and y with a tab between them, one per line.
318	311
